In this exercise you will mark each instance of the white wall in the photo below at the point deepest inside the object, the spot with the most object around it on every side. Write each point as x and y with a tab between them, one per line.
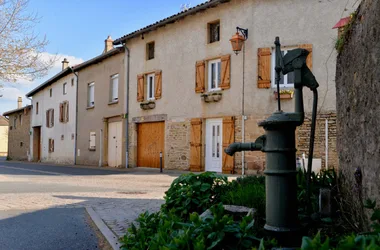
63	149
3	140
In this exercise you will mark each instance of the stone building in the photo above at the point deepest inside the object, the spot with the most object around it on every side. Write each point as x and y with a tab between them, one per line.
3	136
187	99
19	135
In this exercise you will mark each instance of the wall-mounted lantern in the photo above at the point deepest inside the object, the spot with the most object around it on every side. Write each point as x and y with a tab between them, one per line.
237	40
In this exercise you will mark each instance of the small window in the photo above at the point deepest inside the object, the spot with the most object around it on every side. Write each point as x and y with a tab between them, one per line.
150	87
14	123
50	118
114	88
21	144
64	112
51	92
214	32
36	108
72	81
91	95
20	117
51	145
150	50
92	141
65	88
287	81
214	68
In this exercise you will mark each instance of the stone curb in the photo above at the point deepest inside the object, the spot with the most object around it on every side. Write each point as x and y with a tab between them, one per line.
107	233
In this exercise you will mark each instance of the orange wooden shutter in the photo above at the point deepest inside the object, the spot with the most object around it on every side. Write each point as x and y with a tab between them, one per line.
140	88
226	70
264	68
228	138
47	119
52	143
196	145
309	59
200	77
61	112
67	112
52	117
158	84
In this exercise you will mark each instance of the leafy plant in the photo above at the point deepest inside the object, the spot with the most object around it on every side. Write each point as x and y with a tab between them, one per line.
217	231
194	193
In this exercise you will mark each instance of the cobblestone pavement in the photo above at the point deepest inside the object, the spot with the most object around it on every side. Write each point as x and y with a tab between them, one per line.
118	196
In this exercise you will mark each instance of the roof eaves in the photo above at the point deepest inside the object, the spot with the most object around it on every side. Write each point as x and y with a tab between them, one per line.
170	19
50	81
99	58
16	110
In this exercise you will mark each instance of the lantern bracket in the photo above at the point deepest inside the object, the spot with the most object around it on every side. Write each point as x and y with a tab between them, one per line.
244	32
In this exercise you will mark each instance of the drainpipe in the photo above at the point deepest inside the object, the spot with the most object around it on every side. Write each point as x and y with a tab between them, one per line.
327	144
76	117
243	117
101	148
126	106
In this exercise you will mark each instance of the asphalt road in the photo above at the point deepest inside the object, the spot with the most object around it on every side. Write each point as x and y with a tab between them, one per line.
48	228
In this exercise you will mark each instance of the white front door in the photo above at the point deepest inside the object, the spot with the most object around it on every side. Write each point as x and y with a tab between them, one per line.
114	144
214	145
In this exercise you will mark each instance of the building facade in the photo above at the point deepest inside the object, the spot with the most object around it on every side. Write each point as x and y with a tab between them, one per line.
187	99
101	109
4	136
53	123
19	132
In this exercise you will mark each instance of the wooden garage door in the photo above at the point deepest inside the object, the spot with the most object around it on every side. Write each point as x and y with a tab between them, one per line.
150	142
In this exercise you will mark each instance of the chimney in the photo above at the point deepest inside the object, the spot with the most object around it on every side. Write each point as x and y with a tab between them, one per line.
108	44
19	102
65	64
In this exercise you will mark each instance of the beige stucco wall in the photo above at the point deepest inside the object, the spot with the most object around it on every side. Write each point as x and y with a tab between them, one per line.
3	140
96	119
19	138
64	147
178	46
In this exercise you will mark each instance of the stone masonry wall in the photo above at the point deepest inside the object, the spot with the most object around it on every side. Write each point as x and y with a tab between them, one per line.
177	144
358	104
19	138
303	137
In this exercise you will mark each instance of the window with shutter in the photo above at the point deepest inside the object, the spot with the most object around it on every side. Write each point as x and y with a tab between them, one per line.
52	118
140	88
226	71
214	68
200	77
150	86
51	145
158	84
228	138
114	88
92	141
196	145
264	68
61	112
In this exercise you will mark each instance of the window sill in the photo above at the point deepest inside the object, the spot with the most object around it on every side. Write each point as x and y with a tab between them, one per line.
212	96
151	104
287	94
213	43
113	102
91	107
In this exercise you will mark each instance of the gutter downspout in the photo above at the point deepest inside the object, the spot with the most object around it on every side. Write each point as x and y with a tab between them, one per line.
126	106
76	117
243	117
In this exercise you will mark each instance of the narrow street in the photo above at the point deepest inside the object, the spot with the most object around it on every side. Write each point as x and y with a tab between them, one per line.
43	206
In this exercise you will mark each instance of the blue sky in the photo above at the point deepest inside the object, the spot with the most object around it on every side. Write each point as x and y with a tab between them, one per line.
76	29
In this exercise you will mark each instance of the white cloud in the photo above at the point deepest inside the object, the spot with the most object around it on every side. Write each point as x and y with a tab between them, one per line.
11	93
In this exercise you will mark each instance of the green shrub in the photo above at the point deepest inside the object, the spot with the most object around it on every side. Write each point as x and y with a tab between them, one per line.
218	231
247	191
194	193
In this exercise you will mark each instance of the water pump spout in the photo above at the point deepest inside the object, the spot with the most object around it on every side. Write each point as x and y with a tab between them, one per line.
249	146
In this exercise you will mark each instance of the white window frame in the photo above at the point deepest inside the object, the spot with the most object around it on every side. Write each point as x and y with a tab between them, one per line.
273	71
114	97
90	103
65	88
218	74
148	87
